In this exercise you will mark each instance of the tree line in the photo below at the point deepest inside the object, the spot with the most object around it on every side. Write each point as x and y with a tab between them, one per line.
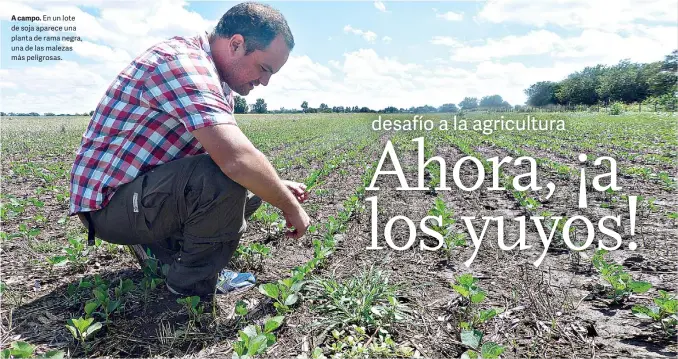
625	82
469	103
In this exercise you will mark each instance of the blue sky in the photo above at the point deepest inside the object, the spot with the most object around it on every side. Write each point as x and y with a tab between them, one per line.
362	53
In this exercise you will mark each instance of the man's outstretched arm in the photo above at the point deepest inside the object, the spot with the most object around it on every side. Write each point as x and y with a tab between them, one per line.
238	159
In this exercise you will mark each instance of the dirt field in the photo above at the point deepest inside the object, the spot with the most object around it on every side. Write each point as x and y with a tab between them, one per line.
352	301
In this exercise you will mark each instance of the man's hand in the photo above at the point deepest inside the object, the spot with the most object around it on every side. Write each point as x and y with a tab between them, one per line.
298	189
299	220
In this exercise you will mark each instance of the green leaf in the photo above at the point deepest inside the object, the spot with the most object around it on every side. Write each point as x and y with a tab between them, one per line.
250	331
92	329
281	308
668	305
491	350
297	286
82	324
471	338
239	348
478	297
466	280
22	350
485	315
287	282
74	331
53	354
273	323
269	289
58	260
469	354
5	354
291	299
644	312
195	300
100	294
112	306
461	290
90	307
639	287
257	345
241	308
270	339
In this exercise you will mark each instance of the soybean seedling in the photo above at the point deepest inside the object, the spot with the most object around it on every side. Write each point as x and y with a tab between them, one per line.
622	283
83	329
663	312
254	339
194	309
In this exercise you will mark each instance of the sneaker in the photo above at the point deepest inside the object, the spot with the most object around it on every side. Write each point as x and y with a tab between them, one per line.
231	282
228	282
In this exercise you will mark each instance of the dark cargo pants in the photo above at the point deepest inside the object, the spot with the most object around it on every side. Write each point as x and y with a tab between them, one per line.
187	212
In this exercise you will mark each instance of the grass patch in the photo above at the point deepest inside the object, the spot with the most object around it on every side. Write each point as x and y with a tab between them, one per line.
365	300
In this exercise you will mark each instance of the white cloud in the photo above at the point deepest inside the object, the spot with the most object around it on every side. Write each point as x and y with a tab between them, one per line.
99	52
363	78
64	87
451	16
580	13
445	41
127	26
121	30
380	6
534	43
369	36
640	43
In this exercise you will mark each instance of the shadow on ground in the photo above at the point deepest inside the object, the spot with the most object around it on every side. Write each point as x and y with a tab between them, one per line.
149	323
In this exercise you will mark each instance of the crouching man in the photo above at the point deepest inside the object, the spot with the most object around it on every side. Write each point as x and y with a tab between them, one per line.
163	165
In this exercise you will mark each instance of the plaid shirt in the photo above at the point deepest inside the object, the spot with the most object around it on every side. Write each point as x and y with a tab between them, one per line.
146	118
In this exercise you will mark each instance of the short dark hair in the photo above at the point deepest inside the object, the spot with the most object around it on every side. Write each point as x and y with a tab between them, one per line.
258	23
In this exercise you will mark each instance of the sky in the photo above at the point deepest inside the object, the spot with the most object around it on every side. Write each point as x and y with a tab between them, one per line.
351	53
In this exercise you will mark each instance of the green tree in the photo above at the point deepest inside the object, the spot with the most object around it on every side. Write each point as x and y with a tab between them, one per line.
542	93
493	101
259	106
448	107
240	105
469	103
671	62
662	77
304	106
623	82
580	87
324	108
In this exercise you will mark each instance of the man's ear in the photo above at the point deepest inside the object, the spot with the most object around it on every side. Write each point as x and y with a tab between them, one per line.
237	43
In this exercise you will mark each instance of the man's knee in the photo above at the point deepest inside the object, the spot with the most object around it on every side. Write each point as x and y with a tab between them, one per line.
212	184
211	196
